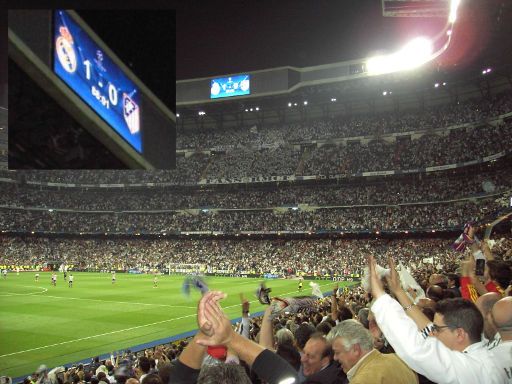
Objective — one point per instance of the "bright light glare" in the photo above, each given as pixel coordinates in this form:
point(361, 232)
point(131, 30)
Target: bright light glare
point(414, 54)
point(453, 10)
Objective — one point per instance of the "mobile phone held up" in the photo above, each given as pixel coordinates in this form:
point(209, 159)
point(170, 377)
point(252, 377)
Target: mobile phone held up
point(480, 266)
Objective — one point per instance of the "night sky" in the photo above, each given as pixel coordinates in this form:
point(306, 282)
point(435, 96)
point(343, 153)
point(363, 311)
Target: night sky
point(209, 38)
point(214, 41)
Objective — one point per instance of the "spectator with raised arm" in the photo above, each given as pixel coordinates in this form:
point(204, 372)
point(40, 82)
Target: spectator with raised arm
point(457, 328)
point(217, 327)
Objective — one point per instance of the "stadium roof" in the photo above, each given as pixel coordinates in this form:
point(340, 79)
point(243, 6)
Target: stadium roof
point(238, 38)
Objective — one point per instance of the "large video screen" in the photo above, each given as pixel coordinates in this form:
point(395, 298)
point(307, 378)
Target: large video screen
point(89, 72)
point(230, 86)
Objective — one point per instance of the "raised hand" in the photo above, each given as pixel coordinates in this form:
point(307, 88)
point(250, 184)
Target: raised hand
point(393, 279)
point(376, 284)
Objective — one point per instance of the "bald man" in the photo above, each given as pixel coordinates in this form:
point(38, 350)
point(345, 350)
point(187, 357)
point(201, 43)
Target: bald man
point(501, 315)
point(438, 279)
point(484, 304)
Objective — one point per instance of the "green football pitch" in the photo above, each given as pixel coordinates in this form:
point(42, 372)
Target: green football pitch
point(58, 325)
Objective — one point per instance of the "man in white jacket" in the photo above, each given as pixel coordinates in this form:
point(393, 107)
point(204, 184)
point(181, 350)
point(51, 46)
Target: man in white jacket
point(455, 355)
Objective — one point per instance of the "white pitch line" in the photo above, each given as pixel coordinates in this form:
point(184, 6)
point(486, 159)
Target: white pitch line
point(26, 294)
point(119, 302)
point(123, 330)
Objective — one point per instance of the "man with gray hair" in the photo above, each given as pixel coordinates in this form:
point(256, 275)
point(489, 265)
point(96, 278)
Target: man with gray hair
point(353, 348)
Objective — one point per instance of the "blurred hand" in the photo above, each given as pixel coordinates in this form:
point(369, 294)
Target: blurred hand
point(471, 232)
point(376, 285)
point(245, 305)
point(335, 290)
point(393, 279)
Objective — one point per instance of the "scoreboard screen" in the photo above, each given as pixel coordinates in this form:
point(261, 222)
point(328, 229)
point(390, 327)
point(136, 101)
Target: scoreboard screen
point(230, 86)
point(92, 75)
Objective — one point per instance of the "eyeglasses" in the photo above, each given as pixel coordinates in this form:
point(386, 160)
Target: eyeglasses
point(439, 328)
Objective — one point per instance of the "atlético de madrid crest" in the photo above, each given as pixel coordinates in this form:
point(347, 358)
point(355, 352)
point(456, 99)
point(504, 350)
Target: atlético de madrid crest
point(131, 114)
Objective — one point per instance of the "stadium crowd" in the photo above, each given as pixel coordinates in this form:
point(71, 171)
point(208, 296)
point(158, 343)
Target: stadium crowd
point(410, 190)
point(371, 218)
point(365, 334)
point(432, 118)
point(459, 145)
point(274, 151)
point(285, 257)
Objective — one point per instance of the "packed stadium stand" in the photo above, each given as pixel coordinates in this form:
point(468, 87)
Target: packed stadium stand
point(318, 184)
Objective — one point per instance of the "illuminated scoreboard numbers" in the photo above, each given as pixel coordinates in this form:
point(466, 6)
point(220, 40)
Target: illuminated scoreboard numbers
point(112, 90)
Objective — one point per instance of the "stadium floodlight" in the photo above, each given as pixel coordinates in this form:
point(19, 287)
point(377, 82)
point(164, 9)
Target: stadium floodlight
point(246, 110)
point(415, 53)
point(201, 113)
point(384, 93)
point(454, 4)
point(306, 102)
point(436, 85)
point(257, 108)
point(289, 104)
point(251, 109)
point(333, 100)
point(177, 115)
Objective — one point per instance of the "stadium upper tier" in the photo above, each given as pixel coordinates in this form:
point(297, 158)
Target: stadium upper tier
point(468, 111)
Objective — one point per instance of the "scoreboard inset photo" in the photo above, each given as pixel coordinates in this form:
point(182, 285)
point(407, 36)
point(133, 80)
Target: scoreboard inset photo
point(109, 108)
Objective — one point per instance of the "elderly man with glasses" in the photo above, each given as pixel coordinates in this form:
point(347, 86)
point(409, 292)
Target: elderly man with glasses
point(447, 351)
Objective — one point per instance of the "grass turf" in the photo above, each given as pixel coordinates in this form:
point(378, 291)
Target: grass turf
point(40, 323)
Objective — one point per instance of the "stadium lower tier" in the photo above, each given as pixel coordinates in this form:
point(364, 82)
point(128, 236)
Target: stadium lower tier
point(320, 257)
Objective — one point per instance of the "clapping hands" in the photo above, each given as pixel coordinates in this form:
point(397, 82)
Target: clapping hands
point(212, 321)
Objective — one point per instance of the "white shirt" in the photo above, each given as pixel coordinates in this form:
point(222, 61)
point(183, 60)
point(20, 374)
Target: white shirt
point(430, 357)
point(503, 357)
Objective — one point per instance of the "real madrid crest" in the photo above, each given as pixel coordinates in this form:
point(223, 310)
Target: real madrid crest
point(65, 51)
